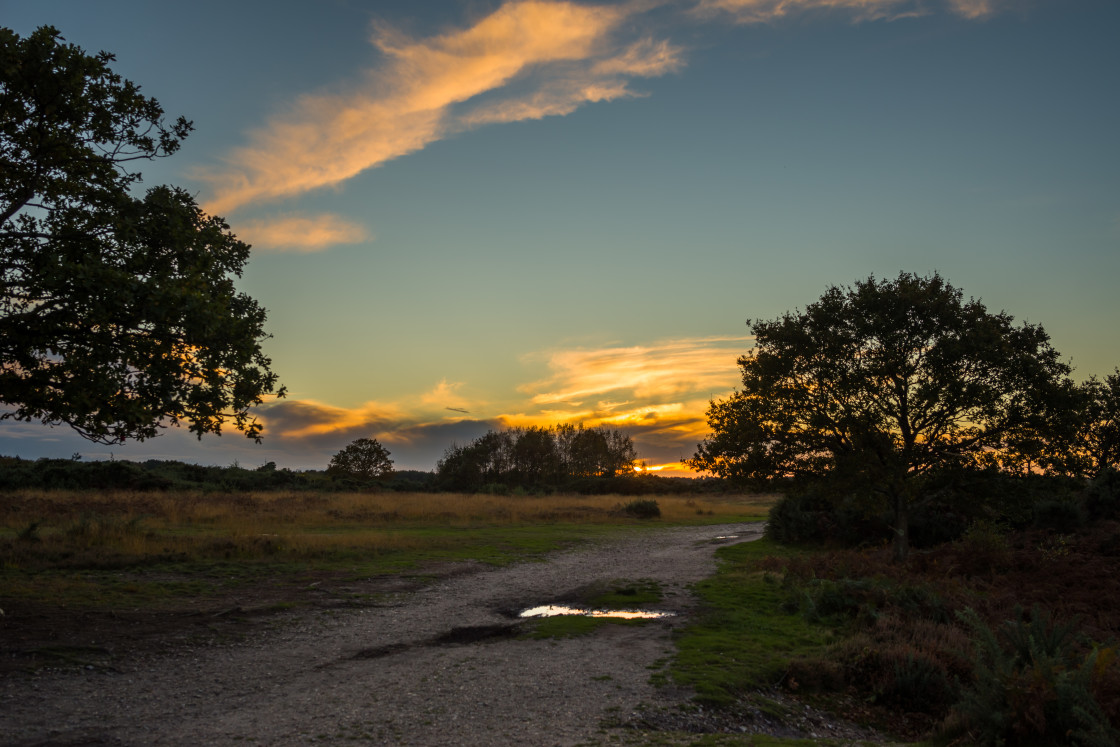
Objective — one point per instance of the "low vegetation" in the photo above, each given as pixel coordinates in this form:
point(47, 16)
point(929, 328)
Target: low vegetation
point(1000, 637)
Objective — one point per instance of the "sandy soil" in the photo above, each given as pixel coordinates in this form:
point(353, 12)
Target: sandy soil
point(440, 665)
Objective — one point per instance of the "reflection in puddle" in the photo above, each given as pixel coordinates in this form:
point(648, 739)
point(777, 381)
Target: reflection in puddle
point(552, 610)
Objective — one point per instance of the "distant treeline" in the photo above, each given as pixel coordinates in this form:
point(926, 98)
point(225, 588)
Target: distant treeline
point(162, 475)
point(538, 458)
point(156, 474)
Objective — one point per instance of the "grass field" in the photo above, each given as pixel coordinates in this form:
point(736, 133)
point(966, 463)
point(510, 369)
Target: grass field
point(107, 549)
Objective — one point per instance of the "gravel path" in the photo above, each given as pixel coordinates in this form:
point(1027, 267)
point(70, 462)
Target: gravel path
point(440, 666)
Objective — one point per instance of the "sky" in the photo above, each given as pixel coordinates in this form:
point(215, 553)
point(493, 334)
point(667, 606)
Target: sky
point(483, 214)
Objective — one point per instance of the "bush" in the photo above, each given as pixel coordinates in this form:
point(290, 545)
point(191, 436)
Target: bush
point(936, 524)
point(1059, 516)
point(642, 509)
point(800, 517)
point(984, 547)
point(813, 516)
point(1102, 497)
point(916, 685)
point(835, 601)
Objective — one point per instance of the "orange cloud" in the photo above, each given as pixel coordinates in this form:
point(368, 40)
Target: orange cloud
point(301, 419)
point(764, 11)
point(562, 54)
point(445, 395)
point(666, 369)
point(657, 393)
point(301, 233)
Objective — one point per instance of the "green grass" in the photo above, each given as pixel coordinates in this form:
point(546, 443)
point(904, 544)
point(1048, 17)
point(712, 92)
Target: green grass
point(115, 549)
point(627, 595)
point(743, 639)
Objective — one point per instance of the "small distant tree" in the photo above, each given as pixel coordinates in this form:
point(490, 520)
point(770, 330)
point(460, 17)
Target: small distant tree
point(874, 388)
point(364, 459)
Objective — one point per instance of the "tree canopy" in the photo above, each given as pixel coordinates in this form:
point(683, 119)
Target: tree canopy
point(364, 459)
point(119, 314)
point(877, 386)
point(1093, 446)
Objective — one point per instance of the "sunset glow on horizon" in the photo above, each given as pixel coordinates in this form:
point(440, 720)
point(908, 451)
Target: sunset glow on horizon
point(531, 213)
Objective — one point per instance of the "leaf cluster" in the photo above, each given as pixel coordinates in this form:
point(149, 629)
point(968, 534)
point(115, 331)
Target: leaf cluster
point(119, 314)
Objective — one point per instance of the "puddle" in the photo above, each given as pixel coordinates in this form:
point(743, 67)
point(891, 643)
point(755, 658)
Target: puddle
point(553, 610)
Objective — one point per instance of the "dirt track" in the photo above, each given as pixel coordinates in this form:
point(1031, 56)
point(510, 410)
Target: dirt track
point(437, 666)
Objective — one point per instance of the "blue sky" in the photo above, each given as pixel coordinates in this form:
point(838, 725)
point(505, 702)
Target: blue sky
point(545, 212)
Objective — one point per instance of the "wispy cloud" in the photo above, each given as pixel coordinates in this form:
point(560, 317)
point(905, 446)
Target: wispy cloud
point(301, 233)
point(765, 11)
point(975, 8)
point(560, 55)
point(446, 395)
point(308, 419)
point(664, 369)
point(658, 393)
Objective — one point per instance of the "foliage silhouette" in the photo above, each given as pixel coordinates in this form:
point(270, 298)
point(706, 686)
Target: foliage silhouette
point(874, 389)
point(119, 314)
point(537, 459)
point(364, 459)
point(1092, 446)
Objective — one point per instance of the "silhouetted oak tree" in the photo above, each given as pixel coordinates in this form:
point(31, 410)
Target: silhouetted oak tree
point(119, 314)
point(875, 386)
point(364, 459)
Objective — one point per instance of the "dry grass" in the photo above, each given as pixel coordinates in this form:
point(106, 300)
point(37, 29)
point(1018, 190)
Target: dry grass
point(76, 528)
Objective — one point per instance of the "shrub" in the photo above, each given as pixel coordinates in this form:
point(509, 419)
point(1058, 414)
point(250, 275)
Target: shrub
point(1102, 497)
point(984, 547)
point(801, 517)
point(642, 509)
point(935, 524)
point(1059, 515)
point(824, 600)
point(916, 685)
